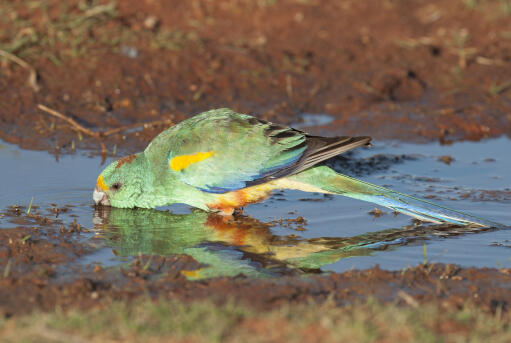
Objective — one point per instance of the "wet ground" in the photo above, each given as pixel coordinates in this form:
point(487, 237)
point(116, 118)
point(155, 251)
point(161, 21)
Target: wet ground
point(404, 72)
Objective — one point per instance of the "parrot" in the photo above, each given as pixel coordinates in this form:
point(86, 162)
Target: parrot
point(221, 161)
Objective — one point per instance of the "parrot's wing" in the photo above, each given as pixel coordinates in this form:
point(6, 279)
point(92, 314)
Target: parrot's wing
point(220, 151)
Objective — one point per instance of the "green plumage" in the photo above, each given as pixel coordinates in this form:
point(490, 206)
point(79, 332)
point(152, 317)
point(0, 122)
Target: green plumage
point(243, 149)
point(204, 160)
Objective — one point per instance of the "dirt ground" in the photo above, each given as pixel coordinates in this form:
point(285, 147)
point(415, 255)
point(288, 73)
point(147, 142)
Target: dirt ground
point(408, 70)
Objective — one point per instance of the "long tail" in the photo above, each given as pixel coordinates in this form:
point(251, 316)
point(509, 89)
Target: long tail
point(330, 181)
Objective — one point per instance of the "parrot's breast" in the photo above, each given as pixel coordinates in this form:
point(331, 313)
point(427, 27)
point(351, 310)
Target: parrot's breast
point(227, 202)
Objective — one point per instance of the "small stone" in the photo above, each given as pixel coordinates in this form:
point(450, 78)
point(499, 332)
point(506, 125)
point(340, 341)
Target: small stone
point(446, 159)
point(376, 212)
point(151, 22)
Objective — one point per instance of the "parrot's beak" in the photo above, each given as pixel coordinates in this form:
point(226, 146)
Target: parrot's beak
point(100, 197)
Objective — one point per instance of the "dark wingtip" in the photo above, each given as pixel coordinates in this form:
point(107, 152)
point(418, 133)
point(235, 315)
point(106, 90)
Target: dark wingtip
point(366, 138)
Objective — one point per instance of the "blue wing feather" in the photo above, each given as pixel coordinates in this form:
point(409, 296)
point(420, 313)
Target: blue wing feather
point(227, 185)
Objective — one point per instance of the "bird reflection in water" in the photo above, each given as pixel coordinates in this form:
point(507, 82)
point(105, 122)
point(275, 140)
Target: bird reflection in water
point(230, 246)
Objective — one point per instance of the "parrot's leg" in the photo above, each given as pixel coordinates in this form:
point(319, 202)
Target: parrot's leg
point(326, 180)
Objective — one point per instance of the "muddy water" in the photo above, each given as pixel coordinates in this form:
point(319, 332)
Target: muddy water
point(333, 233)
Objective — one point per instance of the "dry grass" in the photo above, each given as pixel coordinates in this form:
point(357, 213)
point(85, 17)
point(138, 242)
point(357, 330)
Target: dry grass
point(206, 322)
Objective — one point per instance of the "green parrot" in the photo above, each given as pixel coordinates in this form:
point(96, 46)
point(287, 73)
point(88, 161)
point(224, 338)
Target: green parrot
point(220, 160)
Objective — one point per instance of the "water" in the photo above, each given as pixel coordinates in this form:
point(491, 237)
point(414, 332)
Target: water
point(309, 120)
point(261, 244)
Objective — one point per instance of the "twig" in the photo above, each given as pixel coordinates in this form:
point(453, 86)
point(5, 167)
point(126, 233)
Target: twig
point(32, 78)
point(69, 120)
point(44, 332)
point(408, 299)
point(7, 268)
point(135, 126)
point(99, 135)
point(497, 89)
point(100, 9)
point(76, 126)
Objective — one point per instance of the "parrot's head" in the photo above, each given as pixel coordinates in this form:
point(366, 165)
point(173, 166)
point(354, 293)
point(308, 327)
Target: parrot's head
point(122, 183)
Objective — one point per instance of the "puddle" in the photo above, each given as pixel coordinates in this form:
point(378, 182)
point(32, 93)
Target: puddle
point(271, 239)
point(307, 120)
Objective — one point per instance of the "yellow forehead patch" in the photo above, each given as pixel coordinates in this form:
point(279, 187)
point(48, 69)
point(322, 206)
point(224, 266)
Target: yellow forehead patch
point(181, 162)
point(101, 184)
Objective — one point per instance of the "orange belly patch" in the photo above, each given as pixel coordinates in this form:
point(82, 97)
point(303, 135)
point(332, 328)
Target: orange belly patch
point(227, 202)
point(227, 230)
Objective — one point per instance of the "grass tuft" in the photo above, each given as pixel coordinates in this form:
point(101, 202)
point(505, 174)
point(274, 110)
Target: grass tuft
point(205, 321)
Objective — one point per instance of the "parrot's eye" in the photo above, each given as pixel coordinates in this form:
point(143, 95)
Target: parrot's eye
point(116, 186)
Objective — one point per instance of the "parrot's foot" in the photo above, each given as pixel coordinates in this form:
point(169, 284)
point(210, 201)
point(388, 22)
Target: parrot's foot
point(226, 211)
point(238, 211)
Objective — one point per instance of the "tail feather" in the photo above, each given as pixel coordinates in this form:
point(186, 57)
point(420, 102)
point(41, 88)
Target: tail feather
point(333, 182)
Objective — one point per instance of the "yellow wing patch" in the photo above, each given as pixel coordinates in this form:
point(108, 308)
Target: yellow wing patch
point(181, 162)
point(192, 274)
